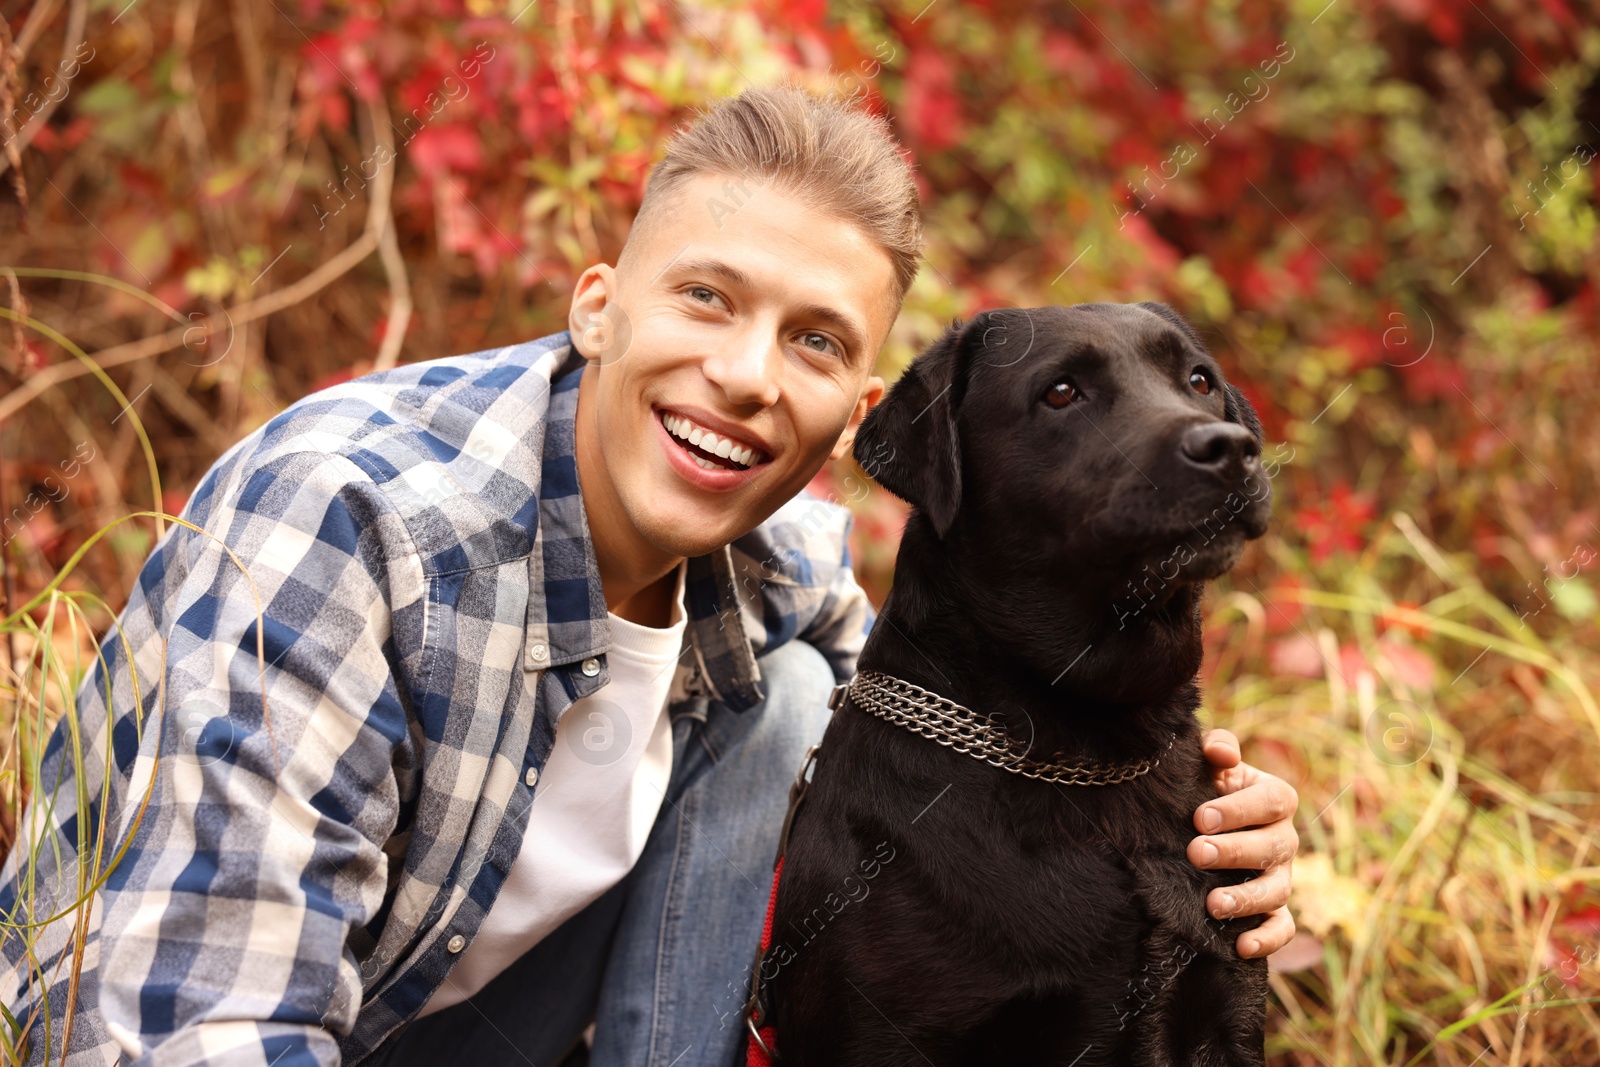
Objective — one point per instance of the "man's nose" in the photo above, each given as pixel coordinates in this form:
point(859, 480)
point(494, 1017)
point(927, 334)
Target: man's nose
point(746, 368)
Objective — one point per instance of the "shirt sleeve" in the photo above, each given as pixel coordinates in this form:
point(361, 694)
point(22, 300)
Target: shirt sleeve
point(839, 628)
point(225, 924)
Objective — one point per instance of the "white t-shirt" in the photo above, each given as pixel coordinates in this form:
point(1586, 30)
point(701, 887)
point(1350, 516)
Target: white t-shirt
point(595, 802)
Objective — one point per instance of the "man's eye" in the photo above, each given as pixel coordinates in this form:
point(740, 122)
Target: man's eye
point(818, 342)
point(705, 296)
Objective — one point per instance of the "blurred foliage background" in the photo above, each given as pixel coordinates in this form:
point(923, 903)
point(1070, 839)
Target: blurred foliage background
point(1380, 214)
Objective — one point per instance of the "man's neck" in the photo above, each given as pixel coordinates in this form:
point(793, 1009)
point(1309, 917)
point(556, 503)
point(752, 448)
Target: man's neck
point(650, 606)
point(637, 577)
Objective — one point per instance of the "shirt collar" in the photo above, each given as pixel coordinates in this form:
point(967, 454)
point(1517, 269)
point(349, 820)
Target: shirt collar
point(566, 619)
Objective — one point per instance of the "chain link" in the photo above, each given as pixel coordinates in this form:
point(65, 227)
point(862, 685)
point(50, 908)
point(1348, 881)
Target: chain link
point(979, 736)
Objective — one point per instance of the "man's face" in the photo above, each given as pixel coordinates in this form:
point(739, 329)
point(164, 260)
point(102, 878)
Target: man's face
point(731, 355)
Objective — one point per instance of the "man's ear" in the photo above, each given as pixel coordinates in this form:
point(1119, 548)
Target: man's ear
point(909, 443)
point(595, 320)
point(1235, 408)
point(871, 393)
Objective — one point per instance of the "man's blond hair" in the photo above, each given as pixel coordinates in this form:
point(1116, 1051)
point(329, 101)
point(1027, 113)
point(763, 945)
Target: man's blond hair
point(827, 152)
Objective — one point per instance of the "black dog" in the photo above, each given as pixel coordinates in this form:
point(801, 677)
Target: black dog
point(1077, 474)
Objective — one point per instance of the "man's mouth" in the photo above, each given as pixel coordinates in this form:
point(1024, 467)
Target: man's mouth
point(709, 449)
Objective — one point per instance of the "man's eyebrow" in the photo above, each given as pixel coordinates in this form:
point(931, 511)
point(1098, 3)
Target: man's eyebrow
point(712, 266)
point(855, 340)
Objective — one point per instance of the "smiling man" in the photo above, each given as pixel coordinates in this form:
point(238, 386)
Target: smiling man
point(491, 736)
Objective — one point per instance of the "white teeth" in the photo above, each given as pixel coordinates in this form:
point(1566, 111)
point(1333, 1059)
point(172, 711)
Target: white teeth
point(723, 447)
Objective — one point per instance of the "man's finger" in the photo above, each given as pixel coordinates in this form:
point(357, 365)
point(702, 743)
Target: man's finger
point(1256, 897)
point(1267, 799)
point(1253, 850)
point(1274, 932)
point(1221, 749)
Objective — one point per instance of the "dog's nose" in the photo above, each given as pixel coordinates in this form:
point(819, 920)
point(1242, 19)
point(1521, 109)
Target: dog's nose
point(1214, 445)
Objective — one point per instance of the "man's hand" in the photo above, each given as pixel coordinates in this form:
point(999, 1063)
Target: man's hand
point(1248, 798)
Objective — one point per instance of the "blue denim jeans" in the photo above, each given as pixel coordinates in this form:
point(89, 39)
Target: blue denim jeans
point(661, 963)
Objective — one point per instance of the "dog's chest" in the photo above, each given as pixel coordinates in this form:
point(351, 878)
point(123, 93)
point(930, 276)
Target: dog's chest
point(1106, 867)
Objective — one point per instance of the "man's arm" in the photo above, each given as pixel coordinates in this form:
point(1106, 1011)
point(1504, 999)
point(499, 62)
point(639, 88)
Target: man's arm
point(261, 848)
point(839, 627)
point(1249, 827)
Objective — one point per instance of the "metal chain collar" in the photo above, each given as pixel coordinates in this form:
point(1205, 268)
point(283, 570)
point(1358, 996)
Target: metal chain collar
point(979, 736)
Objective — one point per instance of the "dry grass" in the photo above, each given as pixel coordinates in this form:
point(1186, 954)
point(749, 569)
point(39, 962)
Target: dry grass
point(1440, 874)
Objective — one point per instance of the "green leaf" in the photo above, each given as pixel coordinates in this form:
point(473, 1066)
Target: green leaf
point(1574, 599)
point(216, 279)
point(135, 541)
point(151, 249)
point(107, 97)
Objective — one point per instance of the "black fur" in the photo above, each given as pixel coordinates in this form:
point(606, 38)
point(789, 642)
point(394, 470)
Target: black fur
point(935, 909)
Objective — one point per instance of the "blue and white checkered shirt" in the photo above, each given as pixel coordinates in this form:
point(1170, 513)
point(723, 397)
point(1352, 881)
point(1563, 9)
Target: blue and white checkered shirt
point(308, 838)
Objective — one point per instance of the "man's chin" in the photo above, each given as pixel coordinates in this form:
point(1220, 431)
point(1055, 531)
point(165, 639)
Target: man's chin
point(683, 521)
point(689, 532)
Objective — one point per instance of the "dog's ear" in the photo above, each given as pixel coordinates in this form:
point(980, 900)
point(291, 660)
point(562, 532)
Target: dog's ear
point(909, 443)
point(1235, 408)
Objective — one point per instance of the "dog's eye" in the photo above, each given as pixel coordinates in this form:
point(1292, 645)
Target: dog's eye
point(1061, 394)
point(1200, 381)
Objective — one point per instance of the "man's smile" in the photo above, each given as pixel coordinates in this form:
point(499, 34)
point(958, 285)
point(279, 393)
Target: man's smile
point(709, 448)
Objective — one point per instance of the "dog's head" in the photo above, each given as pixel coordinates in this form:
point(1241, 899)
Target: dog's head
point(1089, 466)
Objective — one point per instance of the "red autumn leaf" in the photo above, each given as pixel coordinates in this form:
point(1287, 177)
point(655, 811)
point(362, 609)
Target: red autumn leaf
point(1296, 655)
point(1260, 287)
point(1304, 266)
point(1432, 378)
point(438, 149)
point(1352, 661)
point(1283, 610)
point(1388, 203)
point(1410, 664)
point(1392, 621)
point(1364, 346)
point(1584, 921)
point(1337, 525)
point(1445, 25)
point(1159, 256)
point(931, 110)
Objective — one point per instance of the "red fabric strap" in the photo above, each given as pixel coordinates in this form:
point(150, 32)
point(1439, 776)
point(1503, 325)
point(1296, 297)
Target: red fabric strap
point(756, 1056)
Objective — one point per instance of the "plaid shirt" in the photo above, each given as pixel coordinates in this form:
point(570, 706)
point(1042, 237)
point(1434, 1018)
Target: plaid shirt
point(324, 828)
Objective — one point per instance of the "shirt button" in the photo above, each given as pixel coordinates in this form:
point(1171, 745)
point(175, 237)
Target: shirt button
point(531, 777)
point(457, 943)
point(541, 653)
point(591, 666)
